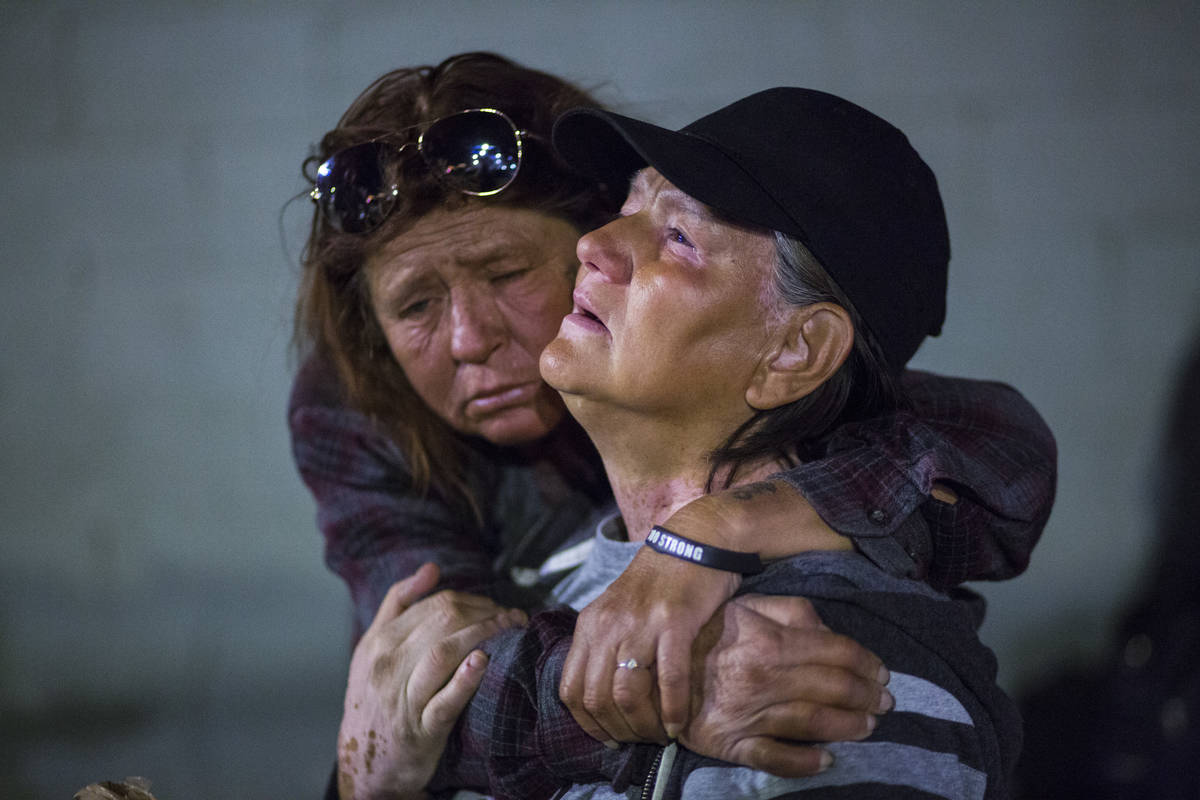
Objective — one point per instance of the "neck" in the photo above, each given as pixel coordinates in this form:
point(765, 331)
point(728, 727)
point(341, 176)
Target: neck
point(655, 466)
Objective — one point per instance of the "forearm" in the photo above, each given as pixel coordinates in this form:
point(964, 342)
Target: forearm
point(516, 739)
point(768, 517)
point(377, 528)
point(959, 488)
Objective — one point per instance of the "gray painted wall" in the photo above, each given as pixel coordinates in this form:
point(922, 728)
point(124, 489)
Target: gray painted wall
point(164, 610)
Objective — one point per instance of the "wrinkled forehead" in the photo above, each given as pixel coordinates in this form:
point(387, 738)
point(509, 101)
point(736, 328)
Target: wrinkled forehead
point(649, 184)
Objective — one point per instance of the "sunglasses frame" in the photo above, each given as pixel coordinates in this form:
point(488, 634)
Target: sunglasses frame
point(392, 192)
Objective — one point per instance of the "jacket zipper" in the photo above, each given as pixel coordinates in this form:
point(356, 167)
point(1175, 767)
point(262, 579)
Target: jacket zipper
point(652, 775)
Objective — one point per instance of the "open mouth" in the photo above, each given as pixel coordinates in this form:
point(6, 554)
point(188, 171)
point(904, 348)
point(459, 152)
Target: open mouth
point(583, 313)
point(588, 315)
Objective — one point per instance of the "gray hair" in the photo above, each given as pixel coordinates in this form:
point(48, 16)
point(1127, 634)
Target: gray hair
point(862, 387)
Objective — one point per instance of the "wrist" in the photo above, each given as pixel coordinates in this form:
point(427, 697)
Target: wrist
point(670, 543)
point(685, 582)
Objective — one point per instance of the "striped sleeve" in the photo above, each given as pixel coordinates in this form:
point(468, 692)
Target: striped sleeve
point(952, 734)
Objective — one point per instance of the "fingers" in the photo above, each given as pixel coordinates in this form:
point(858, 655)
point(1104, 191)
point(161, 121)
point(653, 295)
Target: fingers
point(611, 704)
point(674, 679)
point(571, 690)
point(596, 695)
point(439, 615)
point(633, 707)
point(785, 759)
point(800, 621)
point(832, 649)
point(812, 722)
point(829, 686)
point(791, 612)
point(441, 659)
point(445, 707)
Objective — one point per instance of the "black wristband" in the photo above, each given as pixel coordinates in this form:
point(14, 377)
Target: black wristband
point(681, 547)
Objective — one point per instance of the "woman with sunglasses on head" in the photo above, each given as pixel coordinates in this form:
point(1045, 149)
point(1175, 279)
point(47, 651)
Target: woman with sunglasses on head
point(440, 262)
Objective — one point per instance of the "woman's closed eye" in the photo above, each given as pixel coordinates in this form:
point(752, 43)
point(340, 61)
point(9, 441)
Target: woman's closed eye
point(510, 275)
point(414, 308)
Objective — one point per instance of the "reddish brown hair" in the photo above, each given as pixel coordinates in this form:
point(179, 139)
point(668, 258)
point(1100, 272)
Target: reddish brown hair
point(334, 318)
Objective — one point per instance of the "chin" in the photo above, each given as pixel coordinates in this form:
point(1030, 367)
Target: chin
point(558, 365)
point(522, 425)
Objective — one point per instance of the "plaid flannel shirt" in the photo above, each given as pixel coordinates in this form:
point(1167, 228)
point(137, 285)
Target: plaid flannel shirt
point(871, 484)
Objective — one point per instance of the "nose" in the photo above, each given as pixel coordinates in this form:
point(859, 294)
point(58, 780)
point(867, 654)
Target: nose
point(477, 328)
point(608, 250)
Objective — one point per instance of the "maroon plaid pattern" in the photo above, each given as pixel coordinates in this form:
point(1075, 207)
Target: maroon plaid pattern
point(872, 484)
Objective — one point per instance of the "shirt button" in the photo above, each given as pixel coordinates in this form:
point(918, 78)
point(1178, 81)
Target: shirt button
point(878, 516)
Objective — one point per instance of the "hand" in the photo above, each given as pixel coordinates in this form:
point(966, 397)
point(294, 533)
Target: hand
point(411, 675)
point(770, 675)
point(651, 613)
point(654, 610)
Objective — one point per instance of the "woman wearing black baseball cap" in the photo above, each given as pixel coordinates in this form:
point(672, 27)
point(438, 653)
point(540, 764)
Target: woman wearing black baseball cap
point(423, 436)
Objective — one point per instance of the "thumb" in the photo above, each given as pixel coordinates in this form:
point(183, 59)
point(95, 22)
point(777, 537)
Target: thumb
point(791, 612)
point(404, 593)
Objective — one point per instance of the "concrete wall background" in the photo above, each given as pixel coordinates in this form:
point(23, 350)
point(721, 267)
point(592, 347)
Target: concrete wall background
point(163, 608)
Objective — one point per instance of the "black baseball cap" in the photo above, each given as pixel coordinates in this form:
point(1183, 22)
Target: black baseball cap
point(812, 165)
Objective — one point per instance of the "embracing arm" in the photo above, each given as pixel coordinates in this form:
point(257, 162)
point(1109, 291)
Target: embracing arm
point(956, 489)
point(981, 439)
point(515, 740)
point(787, 679)
point(377, 530)
point(959, 488)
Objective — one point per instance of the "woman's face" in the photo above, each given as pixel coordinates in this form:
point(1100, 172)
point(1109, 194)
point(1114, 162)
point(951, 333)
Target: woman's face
point(672, 309)
point(467, 300)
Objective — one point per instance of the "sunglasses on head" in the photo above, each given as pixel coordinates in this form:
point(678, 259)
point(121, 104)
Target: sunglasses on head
point(476, 152)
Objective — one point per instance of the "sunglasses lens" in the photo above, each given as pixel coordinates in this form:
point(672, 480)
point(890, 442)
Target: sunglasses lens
point(476, 152)
point(353, 189)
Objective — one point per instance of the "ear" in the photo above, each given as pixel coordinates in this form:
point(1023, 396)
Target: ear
point(812, 343)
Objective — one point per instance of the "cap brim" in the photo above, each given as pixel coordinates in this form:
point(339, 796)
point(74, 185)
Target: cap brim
point(611, 148)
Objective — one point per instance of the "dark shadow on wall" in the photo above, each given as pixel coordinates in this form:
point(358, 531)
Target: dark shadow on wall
point(1129, 727)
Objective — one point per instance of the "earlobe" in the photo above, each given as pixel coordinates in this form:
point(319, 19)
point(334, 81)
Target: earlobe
point(811, 346)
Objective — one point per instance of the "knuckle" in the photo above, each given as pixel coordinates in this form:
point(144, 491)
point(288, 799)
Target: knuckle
point(823, 723)
point(845, 686)
point(672, 676)
point(439, 718)
point(443, 656)
point(444, 605)
point(802, 612)
point(843, 650)
point(803, 715)
point(626, 698)
point(593, 702)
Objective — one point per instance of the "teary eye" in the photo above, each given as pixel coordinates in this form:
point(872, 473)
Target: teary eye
point(677, 236)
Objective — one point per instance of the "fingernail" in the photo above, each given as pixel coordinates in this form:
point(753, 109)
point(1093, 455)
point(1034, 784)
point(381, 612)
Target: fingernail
point(826, 761)
point(611, 745)
point(871, 723)
point(884, 676)
point(672, 729)
point(477, 660)
point(886, 702)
